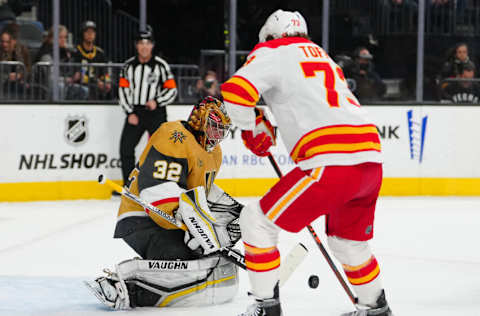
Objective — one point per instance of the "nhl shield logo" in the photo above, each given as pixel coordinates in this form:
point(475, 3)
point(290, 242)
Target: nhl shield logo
point(76, 130)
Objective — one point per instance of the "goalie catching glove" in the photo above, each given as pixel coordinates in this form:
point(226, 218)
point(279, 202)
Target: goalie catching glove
point(262, 137)
point(211, 225)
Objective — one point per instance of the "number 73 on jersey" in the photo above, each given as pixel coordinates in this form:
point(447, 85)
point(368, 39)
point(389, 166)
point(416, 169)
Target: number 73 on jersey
point(310, 70)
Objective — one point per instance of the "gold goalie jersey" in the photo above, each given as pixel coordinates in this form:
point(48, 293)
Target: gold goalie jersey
point(173, 161)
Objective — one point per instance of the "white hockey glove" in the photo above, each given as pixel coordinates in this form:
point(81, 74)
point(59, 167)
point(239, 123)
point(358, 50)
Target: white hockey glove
point(201, 223)
point(226, 210)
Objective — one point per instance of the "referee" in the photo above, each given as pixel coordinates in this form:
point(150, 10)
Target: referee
point(146, 86)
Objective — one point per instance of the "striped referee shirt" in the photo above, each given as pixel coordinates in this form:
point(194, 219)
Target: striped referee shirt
point(140, 83)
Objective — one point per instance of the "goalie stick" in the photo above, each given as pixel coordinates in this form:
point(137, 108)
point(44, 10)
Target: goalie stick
point(319, 243)
point(292, 261)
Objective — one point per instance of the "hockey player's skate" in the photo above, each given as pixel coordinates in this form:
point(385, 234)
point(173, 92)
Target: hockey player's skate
point(267, 307)
point(382, 309)
point(110, 290)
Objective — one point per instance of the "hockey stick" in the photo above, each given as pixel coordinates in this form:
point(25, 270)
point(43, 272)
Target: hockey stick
point(319, 243)
point(227, 253)
point(293, 259)
point(125, 192)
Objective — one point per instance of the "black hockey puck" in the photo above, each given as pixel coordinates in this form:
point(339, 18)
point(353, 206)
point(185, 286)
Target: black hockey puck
point(313, 281)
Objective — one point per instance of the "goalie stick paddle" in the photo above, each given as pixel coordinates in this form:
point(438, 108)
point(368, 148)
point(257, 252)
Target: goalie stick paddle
point(319, 243)
point(294, 258)
point(231, 255)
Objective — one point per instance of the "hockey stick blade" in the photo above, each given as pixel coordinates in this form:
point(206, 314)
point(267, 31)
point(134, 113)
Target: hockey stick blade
point(294, 258)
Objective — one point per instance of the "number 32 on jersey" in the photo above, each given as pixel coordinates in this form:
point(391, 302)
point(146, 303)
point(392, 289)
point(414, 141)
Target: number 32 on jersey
point(167, 170)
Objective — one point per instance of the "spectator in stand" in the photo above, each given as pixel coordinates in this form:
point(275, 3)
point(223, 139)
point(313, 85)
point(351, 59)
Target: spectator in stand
point(45, 53)
point(96, 79)
point(457, 58)
point(463, 91)
point(13, 76)
point(208, 86)
point(68, 90)
point(368, 85)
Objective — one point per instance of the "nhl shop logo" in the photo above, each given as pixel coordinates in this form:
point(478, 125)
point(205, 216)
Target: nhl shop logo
point(76, 130)
point(416, 135)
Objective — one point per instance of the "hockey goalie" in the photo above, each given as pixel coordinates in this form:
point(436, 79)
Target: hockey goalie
point(175, 173)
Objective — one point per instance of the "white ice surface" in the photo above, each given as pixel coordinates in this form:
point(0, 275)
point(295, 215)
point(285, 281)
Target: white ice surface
point(428, 249)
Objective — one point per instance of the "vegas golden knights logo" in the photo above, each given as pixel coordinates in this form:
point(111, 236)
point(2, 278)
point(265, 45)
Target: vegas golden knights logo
point(76, 130)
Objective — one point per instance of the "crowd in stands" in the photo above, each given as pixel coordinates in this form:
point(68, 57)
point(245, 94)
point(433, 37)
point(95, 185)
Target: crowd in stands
point(79, 79)
point(85, 74)
point(450, 74)
point(457, 83)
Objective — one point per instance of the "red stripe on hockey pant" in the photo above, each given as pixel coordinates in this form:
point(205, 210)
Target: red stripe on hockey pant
point(281, 188)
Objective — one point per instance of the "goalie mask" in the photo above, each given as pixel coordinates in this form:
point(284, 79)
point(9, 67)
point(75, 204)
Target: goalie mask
point(281, 24)
point(210, 122)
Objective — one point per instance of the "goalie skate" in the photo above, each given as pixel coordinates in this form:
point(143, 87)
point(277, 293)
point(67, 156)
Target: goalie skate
point(111, 292)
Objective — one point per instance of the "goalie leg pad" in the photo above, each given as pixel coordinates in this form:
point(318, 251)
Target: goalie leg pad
point(360, 266)
point(206, 281)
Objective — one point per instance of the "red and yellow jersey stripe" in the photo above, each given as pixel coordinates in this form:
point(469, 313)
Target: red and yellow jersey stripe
point(336, 139)
point(364, 273)
point(238, 90)
point(261, 259)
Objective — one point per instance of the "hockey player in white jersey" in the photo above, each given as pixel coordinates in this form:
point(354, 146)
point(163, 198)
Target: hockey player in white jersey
point(338, 155)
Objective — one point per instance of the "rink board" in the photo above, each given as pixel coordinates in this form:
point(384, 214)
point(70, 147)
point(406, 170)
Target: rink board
point(55, 152)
